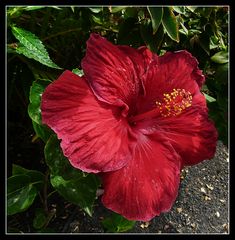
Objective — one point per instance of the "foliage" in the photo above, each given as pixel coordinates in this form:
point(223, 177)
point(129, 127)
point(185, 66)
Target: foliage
point(117, 223)
point(43, 41)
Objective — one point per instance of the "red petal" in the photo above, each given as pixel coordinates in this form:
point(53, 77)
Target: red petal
point(177, 70)
point(183, 61)
point(147, 55)
point(141, 58)
point(94, 136)
point(148, 185)
point(191, 133)
point(111, 73)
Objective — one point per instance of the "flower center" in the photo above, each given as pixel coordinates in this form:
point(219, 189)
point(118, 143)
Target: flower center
point(173, 104)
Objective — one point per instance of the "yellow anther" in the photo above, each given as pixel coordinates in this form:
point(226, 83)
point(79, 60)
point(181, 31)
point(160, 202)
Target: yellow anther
point(175, 102)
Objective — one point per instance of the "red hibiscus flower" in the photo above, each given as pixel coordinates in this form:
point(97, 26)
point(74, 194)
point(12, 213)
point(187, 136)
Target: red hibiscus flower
point(134, 117)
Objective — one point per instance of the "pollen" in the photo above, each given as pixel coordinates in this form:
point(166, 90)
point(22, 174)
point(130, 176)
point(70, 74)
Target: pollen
point(175, 102)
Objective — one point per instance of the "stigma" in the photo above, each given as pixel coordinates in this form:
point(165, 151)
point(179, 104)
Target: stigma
point(174, 103)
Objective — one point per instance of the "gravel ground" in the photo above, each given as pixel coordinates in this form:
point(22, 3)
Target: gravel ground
point(202, 205)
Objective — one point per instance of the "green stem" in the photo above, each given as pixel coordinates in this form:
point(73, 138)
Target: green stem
point(51, 193)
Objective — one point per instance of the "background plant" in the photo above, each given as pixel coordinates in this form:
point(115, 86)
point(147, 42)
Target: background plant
point(43, 41)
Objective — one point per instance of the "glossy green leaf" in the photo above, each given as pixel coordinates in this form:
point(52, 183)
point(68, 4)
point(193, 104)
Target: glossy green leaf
point(221, 74)
point(180, 10)
point(74, 185)
point(35, 95)
point(32, 47)
point(32, 8)
point(40, 218)
point(40, 73)
point(97, 19)
point(209, 98)
point(96, 9)
point(78, 191)
point(42, 131)
point(130, 12)
point(117, 9)
point(220, 57)
point(156, 14)
point(184, 30)
point(117, 224)
point(191, 8)
point(21, 193)
point(221, 120)
point(170, 24)
point(79, 72)
point(36, 177)
point(42, 58)
point(57, 162)
point(153, 42)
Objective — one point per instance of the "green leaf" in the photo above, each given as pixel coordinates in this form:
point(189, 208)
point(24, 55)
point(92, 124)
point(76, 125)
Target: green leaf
point(209, 98)
point(117, 223)
point(117, 9)
point(79, 72)
point(96, 9)
point(184, 30)
point(36, 177)
point(30, 53)
point(57, 162)
point(170, 24)
point(40, 218)
point(32, 47)
point(74, 185)
point(35, 95)
point(220, 57)
point(20, 193)
point(42, 131)
point(192, 9)
point(14, 12)
point(153, 42)
point(130, 12)
point(98, 20)
point(32, 8)
point(221, 120)
point(221, 74)
point(41, 73)
point(78, 191)
point(180, 10)
point(156, 14)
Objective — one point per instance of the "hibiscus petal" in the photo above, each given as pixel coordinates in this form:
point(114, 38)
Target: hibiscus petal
point(148, 185)
point(174, 70)
point(94, 135)
point(111, 73)
point(141, 58)
point(191, 133)
point(183, 61)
